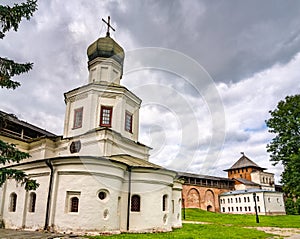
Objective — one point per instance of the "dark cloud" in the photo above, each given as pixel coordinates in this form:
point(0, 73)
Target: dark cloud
point(231, 39)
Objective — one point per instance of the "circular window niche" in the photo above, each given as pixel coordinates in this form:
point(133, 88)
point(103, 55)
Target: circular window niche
point(103, 195)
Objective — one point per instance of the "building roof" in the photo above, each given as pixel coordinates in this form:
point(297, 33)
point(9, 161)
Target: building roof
point(192, 175)
point(247, 191)
point(244, 162)
point(134, 162)
point(246, 182)
point(106, 47)
point(13, 127)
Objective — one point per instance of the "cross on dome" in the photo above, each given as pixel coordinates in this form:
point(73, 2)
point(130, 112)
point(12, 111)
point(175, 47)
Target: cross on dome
point(108, 26)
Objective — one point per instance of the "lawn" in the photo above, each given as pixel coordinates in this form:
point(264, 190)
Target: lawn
point(286, 221)
point(221, 226)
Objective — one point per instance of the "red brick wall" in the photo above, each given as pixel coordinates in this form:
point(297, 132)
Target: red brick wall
point(205, 198)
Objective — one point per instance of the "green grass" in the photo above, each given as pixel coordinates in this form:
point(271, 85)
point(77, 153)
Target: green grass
point(289, 221)
point(193, 231)
point(221, 226)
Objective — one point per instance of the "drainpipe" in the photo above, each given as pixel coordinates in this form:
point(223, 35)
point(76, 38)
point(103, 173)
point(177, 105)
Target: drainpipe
point(129, 196)
point(48, 162)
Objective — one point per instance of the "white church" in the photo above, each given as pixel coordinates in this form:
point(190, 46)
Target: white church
point(96, 177)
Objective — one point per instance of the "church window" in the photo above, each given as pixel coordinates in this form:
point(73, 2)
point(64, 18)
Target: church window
point(165, 203)
point(173, 207)
point(103, 194)
point(74, 204)
point(13, 202)
point(105, 116)
point(78, 114)
point(128, 122)
point(32, 201)
point(135, 203)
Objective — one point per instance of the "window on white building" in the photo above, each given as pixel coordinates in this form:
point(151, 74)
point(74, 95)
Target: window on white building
point(135, 203)
point(106, 116)
point(13, 202)
point(32, 201)
point(78, 114)
point(128, 122)
point(165, 202)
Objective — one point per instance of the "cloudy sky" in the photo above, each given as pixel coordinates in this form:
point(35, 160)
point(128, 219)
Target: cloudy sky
point(208, 72)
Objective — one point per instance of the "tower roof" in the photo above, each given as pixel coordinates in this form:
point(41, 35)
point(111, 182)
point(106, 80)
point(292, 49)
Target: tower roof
point(106, 47)
point(244, 162)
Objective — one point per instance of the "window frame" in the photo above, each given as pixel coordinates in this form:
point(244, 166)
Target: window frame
point(135, 203)
point(128, 118)
point(78, 123)
point(32, 202)
point(13, 197)
point(110, 109)
point(165, 203)
point(74, 205)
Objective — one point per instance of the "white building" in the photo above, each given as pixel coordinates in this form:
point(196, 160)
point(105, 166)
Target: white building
point(96, 177)
point(242, 202)
point(251, 180)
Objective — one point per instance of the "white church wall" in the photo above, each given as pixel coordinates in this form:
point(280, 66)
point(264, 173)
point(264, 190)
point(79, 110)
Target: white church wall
point(13, 218)
point(36, 220)
point(94, 213)
point(176, 205)
point(151, 187)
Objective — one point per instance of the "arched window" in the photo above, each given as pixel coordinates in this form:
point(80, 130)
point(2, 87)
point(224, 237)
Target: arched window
point(165, 202)
point(135, 203)
point(32, 200)
point(13, 202)
point(74, 204)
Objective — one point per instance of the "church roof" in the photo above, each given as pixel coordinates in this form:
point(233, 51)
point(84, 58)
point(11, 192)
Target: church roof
point(246, 182)
point(106, 47)
point(244, 162)
point(134, 162)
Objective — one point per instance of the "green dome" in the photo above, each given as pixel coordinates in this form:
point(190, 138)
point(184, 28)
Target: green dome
point(106, 47)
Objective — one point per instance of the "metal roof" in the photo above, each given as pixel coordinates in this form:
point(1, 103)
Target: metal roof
point(244, 162)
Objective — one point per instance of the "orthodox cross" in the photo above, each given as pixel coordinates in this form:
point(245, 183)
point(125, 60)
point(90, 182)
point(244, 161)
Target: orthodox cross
point(108, 26)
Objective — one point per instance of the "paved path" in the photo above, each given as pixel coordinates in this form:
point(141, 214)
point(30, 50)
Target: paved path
point(18, 234)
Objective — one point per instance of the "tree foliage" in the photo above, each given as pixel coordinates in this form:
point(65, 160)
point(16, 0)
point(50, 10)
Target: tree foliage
point(10, 17)
point(285, 146)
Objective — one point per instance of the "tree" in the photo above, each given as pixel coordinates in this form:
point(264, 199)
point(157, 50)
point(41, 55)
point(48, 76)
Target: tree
point(10, 18)
point(285, 147)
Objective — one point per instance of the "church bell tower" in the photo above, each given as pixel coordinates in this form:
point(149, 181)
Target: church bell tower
point(103, 103)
